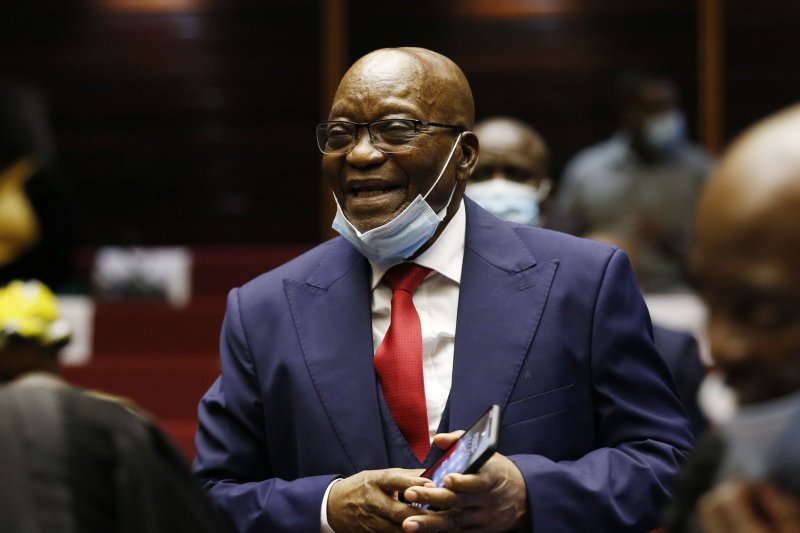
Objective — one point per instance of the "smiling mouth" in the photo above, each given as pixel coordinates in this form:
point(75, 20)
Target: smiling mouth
point(371, 190)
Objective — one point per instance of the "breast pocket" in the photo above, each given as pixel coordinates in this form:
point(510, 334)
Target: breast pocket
point(537, 406)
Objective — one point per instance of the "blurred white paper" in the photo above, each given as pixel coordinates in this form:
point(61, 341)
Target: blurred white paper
point(79, 312)
point(136, 272)
point(684, 312)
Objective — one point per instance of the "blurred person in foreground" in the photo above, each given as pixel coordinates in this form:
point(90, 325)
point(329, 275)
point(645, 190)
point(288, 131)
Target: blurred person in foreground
point(641, 184)
point(511, 178)
point(75, 461)
point(745, 477)
point(340, 381)
point(38, 216)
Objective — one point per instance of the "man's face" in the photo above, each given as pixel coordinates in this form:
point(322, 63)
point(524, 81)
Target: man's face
point(509, 157)
point(752, 290)
point(652, 99)
point(373, 187)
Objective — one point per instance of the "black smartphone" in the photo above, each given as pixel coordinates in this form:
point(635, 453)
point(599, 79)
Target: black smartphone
point(471, 451)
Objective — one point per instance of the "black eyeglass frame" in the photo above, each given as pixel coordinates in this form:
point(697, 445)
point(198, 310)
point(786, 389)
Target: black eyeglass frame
point(368, 125)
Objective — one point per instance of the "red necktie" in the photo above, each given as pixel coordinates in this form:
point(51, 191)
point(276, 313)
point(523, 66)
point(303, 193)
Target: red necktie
point(398, 360)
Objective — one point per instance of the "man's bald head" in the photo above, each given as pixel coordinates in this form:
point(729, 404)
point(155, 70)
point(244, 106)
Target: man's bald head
point(753, 198)
point(436, 82)
point(746, 257)
point(512, 144)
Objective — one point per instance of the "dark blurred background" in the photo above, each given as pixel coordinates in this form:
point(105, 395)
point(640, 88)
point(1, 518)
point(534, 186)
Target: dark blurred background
point(191, 121)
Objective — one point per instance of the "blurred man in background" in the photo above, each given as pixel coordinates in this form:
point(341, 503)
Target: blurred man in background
point(511, 179)
point(746, 476)
point(641, 184)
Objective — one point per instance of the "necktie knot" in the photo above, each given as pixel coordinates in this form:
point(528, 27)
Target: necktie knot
point(405, 277)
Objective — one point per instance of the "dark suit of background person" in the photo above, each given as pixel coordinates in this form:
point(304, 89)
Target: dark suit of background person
point(550, 327)
point(682, 355)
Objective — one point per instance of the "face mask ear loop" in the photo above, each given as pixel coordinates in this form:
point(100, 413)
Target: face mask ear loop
point(446, 164)
point(339, 208)
point(543, 190)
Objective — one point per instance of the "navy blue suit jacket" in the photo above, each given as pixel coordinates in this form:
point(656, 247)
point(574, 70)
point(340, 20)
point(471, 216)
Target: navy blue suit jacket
point(550, 327)
point(682, 355)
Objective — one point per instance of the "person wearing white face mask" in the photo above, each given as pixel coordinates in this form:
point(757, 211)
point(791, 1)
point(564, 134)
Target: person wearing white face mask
point(510, 180)
point(642, 184)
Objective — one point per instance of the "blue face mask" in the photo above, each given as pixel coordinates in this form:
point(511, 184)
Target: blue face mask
point(402, 236)
point(507, 200)
point(665, 132)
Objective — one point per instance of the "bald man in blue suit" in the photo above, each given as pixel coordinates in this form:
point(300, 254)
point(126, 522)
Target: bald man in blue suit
point(550, 327)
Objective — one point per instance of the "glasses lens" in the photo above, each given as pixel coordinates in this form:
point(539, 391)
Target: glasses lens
point(393, 135)
point(335, 137)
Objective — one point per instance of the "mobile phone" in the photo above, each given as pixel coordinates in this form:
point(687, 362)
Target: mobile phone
point(470, 452)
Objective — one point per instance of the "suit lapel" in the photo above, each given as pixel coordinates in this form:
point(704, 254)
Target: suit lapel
point(501, 299)
point(331, 313)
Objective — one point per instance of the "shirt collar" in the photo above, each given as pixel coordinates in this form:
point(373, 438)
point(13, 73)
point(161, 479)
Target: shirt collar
point(445, 255)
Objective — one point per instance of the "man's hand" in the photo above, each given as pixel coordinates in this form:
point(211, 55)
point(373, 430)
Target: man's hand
point(493, 499)
point(367, 501)
point(739, 507)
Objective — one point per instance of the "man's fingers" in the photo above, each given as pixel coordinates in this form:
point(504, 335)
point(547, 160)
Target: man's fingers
point(782, 511)
point(435, 497)
point(729, 509)
point(434, 522)
point(367, 501)
point(398, 480)
point(470, 483)
point(445, 440)
point(453, 520)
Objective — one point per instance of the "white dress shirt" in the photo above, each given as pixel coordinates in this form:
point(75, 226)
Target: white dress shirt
point(436, 301)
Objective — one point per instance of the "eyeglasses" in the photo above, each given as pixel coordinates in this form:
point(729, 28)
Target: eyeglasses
point(390, 135)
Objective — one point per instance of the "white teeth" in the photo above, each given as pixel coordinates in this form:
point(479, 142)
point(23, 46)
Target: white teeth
point(367, 193)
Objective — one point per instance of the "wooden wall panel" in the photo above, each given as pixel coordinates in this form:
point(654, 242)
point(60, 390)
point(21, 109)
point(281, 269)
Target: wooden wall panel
point(762, 60)
point(189, 121)
point(550, 63)
point(180, 121)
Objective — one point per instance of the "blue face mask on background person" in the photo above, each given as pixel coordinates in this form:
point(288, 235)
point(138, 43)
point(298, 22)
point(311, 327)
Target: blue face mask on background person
point(507, 200)
point(665, 132)
point(402, 236)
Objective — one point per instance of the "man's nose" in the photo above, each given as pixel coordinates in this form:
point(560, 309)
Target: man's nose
point(363, 151)
point(499, 173)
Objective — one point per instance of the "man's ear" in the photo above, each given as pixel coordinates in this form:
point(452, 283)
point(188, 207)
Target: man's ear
point(468, 156)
